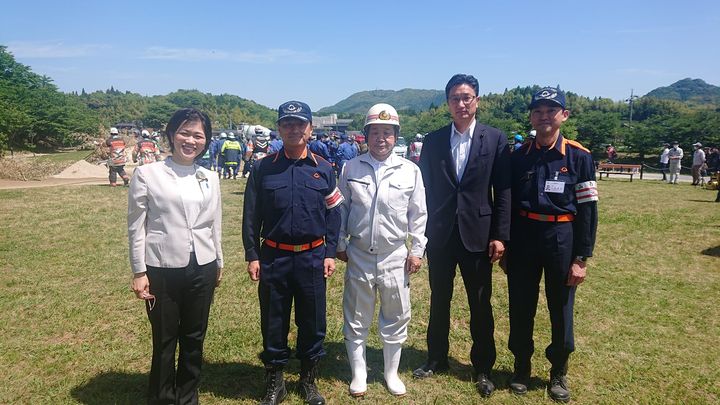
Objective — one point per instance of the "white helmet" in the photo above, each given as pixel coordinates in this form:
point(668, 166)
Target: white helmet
point(223, 135)
point(145, 133)
point(113, 131)
point(382, 114)
point(532, 134)
point(231, 135)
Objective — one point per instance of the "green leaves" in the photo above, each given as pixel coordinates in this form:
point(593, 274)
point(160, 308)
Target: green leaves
point(34, 112)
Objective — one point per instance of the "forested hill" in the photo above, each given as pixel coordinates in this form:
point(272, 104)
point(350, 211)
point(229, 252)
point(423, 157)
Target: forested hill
point(403, 100)
point(695, 91)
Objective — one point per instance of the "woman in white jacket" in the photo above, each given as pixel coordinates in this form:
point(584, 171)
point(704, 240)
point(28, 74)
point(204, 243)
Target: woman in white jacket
point(384, 205)
point(174, 232)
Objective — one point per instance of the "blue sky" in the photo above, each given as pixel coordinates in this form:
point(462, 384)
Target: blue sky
point(322, 52)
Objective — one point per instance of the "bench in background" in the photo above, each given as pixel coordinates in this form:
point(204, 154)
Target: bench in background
point(618, 168)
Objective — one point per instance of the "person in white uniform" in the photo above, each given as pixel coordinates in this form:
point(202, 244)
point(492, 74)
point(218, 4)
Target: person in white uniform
point(675, 155)
point(384, 204)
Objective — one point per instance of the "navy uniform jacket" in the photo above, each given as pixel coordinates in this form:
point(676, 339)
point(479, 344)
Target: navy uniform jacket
point(568, 162)
point(291, 201)
point(319, 148)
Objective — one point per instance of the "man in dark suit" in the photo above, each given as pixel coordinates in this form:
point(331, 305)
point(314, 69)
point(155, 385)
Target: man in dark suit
point(466, 170)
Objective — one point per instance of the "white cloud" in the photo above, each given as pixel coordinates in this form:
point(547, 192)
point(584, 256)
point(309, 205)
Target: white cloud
point(52, 49)
point(198, 55)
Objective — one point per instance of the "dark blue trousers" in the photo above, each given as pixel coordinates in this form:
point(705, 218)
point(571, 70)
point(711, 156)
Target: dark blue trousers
point(286, 277)
point(540, 247)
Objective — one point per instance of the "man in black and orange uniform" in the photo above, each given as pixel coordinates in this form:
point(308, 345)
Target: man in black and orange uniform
point(291, 223)
point(117, 158)
point(554, 198)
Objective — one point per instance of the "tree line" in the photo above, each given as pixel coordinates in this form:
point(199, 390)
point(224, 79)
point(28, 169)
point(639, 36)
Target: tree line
point(35, 114)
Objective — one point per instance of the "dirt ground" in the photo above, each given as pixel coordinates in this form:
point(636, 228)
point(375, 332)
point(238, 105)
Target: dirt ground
point(79, 173)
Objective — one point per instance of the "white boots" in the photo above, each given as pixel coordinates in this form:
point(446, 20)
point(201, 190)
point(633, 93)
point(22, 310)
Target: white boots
point(356, 357)
point(358, 367)
point(391, 356)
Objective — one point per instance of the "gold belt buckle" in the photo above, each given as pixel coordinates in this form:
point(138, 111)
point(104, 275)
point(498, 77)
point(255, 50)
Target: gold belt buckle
point(297, 248)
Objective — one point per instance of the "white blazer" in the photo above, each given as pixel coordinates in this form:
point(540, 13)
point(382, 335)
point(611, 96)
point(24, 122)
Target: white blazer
point(158, 229)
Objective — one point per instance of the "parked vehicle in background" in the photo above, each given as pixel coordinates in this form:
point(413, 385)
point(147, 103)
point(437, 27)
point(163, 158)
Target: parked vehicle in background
point(400, 148)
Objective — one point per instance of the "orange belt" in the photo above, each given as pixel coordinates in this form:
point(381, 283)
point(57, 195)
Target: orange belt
point(295, 248)
point(547, 218)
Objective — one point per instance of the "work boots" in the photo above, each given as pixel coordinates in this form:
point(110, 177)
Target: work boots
point(521, 377)
point(275, 390)
point(358, 367)
point(308, 373)
point(558, 389)
point(391, 357)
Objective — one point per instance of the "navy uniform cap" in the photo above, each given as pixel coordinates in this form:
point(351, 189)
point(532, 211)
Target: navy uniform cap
point(294, 109)
point(548, 94)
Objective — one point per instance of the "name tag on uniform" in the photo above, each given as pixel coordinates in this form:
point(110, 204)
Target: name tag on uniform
point(552, 186)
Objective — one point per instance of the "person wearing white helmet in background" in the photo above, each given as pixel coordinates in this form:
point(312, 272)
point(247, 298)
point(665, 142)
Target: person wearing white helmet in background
point(146, 150)
point(415, 148)
point(531, 135)
point(220, 161)
point(257, 149)
point(117, 158)
point(231, 152)
point(384, 205)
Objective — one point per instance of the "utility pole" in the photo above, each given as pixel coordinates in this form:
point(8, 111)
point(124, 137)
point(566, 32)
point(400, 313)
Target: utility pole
point(630, 101)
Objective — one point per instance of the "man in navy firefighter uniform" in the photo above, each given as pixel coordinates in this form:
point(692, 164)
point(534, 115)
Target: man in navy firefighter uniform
point(290, 233)
point(554, 221)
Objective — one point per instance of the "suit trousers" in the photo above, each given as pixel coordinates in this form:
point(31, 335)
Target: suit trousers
point(180, 315)
point(476, 272)
point(286, 277)
point(538, 247)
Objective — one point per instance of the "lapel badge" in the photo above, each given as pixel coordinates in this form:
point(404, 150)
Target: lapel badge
point(316, 175)
point(563, 169)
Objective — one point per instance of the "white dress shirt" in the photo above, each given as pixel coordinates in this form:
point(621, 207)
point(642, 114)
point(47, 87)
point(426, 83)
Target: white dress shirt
point(460, 147)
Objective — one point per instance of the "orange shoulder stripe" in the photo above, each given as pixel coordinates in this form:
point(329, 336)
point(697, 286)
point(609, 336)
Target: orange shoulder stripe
point(577, 145)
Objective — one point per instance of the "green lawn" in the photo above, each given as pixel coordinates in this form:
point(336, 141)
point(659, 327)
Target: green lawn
point(647, 323)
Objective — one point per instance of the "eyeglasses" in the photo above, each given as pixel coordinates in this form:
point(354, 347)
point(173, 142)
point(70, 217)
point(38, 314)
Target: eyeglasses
point(149, 301)
point(465, 99)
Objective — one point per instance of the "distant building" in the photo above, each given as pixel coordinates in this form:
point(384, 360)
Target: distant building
point(331, 122)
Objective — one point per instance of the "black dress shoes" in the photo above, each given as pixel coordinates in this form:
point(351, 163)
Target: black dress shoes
point(558, 389)
point(430, 368)
point(521, 377)
point(484, 385)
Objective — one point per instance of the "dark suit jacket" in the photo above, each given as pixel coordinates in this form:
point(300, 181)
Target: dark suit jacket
point(480, 202)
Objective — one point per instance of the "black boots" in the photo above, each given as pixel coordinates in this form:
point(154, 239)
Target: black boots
point(558, 389)
point(308, 373)
point(275, 390)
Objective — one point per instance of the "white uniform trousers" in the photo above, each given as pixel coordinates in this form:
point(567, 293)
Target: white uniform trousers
point(674, 171)
point(367, 276)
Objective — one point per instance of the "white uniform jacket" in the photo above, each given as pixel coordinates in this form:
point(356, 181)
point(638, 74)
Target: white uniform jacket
point(159, 232)
point(379, 214)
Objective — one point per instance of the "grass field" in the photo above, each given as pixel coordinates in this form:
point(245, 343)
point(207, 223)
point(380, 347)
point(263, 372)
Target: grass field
point(647, 318)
